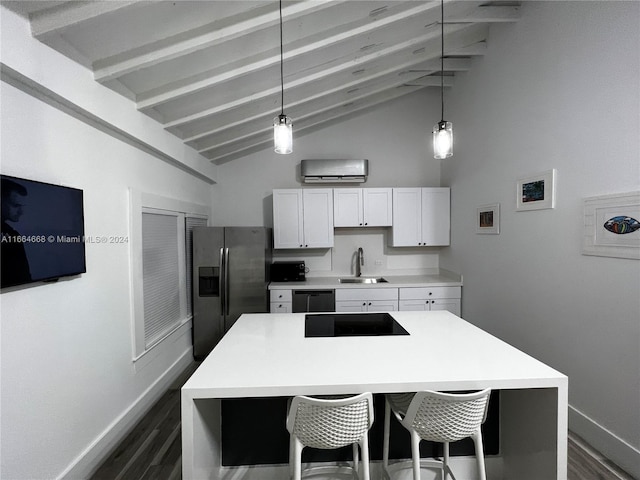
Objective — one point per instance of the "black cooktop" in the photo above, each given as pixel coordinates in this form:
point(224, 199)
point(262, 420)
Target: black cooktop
point(351, 325)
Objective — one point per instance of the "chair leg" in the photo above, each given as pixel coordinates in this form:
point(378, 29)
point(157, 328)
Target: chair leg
point(445, 460)
point(295, 458)
point(385, 440)
point(364, 446)
point(356, 458)
point(477, 439)
point(415, 454)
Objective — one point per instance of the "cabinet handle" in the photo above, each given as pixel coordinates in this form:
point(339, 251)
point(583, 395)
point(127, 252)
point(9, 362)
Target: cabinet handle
point(369, 303)
point(364, 304)
point(360, 224)
point(366, 223)
point(430, 293)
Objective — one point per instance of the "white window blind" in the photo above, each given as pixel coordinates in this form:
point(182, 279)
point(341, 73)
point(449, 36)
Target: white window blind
point(190, 223)
point(161, 283)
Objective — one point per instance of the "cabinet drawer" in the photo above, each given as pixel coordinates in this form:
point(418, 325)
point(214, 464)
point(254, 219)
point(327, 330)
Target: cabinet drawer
point(366, 294)
point(280, 307)
point(417, 293)
point(280, 295)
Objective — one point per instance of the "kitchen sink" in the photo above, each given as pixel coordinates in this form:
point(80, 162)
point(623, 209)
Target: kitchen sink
point(363, 280)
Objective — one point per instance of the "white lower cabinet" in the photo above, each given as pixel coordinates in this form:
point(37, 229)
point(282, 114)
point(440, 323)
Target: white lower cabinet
point(381, 299)
point(366, 299)
point(281, 301)
point(430, 299)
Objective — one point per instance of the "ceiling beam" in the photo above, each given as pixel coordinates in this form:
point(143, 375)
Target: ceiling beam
point(262, 120)
point(403, 74)
point(127, 62)
point(52, 21)
point(463, 35)
point(262, 138)
point(485, 14)
point(151, 100)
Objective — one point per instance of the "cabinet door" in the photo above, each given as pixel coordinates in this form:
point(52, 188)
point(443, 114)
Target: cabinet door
point(351, 306)
point(414, 305)
point(287, 218)
point(435, 216)
point(407, 214)
point(377, 207)
point(318, 217)
point(450, 304)
point(382, 305)
point(284, 307)
point(347, 207)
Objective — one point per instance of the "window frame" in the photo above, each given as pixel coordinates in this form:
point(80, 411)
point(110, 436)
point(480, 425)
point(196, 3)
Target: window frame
point(141, 202)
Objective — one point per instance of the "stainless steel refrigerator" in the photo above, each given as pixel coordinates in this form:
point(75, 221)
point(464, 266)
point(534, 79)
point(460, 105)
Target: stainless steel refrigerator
point(230, 277)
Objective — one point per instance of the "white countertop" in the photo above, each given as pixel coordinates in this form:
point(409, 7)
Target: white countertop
point(393, 281)
point(268, 355)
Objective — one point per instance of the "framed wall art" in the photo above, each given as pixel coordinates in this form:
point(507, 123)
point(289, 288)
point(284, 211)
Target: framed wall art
point(488, 219)
point(612, 225)
point(536, 192)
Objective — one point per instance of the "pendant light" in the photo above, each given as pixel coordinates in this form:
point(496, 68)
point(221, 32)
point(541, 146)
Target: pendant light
point(282, 126)
point(443, 130)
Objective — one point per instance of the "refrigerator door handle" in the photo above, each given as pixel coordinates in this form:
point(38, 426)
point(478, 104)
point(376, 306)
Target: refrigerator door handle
point(226, 281)
point(222, 281)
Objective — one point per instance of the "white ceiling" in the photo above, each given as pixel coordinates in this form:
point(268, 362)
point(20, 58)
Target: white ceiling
point(209, 70)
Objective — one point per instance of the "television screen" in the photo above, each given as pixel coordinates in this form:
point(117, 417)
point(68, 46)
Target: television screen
point(42, 231)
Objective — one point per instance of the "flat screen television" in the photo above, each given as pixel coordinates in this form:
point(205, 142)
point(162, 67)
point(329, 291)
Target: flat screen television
point(42, 231)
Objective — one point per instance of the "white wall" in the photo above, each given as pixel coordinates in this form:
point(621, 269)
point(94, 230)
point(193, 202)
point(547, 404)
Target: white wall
point(69, 385)
point(559, 89)
point(396, 139)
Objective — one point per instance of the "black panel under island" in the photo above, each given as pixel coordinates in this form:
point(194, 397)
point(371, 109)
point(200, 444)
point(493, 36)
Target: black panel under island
point(254, 433)
point(351, 325)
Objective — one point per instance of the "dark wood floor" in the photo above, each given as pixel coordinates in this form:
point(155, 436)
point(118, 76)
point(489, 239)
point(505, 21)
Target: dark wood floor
point(153, 449)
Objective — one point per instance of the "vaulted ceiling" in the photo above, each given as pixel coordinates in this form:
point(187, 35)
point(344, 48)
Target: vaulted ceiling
point(209, 70)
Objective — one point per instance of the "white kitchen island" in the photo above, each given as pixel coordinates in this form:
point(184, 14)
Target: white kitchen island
point(267, 355)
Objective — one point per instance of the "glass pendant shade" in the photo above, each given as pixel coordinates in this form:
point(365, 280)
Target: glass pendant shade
point(443, 139)
point(283, 134)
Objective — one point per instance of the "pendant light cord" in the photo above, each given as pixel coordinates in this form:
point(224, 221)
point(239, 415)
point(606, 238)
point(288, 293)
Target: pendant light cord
point(281, 66)
point(442, 58)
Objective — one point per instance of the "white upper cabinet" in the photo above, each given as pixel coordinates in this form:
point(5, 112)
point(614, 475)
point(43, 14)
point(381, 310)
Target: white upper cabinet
point(303, 218)
point(362, 207)
point(421, 217)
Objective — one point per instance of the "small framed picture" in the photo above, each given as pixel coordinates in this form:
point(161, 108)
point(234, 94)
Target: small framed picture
point(612, 226)
point(536, 192)
point(488, 219)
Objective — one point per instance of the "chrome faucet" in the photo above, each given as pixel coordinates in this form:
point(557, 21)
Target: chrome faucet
point(359, 261)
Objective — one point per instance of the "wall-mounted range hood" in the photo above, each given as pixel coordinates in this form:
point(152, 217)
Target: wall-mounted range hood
point(334, 171)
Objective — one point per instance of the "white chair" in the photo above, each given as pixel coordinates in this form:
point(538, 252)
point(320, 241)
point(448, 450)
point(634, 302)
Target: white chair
point(437, 417)
point(330, 423)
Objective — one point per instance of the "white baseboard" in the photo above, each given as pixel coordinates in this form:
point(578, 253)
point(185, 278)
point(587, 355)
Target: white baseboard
point(614, 448)
point(91, 458)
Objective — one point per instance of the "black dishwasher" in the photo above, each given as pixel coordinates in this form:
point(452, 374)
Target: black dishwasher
point(313, 301)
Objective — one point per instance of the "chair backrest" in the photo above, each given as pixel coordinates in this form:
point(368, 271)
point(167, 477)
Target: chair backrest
point(446, 417)
point(330, 423)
